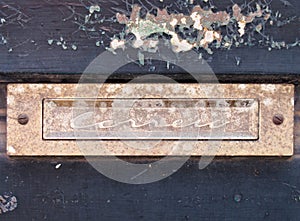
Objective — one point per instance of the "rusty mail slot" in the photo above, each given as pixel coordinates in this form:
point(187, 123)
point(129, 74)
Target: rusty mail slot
point(242, 119)
point(151, 119)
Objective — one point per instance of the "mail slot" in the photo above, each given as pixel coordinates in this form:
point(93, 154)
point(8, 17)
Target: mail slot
point(151, 119)
point(246, 120)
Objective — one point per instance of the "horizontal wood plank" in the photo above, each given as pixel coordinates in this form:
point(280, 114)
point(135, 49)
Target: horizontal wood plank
point(27, 52)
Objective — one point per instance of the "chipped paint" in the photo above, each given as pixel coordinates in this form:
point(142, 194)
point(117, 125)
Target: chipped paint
point(204, 22)
point(8, 203)
point(166, 23)
point(239, 25)
point(116, 43)
point(245, 19)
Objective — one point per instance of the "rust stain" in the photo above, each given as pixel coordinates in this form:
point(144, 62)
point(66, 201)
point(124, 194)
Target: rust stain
point(152, 119)
point(273, 140)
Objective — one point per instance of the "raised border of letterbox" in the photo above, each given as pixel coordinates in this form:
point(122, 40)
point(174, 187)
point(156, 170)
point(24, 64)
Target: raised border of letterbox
point(274, 140)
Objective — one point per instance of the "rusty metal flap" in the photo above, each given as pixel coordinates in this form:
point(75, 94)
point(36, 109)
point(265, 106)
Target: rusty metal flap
point(239, 119)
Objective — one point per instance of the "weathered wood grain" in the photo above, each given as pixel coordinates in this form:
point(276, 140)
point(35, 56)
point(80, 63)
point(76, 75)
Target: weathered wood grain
point(31, 54)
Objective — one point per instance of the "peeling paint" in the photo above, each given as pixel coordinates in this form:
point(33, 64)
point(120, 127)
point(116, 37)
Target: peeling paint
point(182, 25)
point(8, 203)
point(165, 23)
point(245, 19)
point(221, 29)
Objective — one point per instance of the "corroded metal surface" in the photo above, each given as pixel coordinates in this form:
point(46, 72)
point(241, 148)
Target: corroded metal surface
point(152, 119)
point(266, 137)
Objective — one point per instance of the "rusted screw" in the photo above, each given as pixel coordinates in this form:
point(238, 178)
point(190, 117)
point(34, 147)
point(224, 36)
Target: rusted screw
point(278, 119)
point(23, 119)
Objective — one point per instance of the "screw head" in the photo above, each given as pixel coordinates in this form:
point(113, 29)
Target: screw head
point(23, 119)
point(278, 119)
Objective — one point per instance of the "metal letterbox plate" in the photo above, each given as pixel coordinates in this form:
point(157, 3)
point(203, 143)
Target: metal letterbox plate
point(150, 119)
